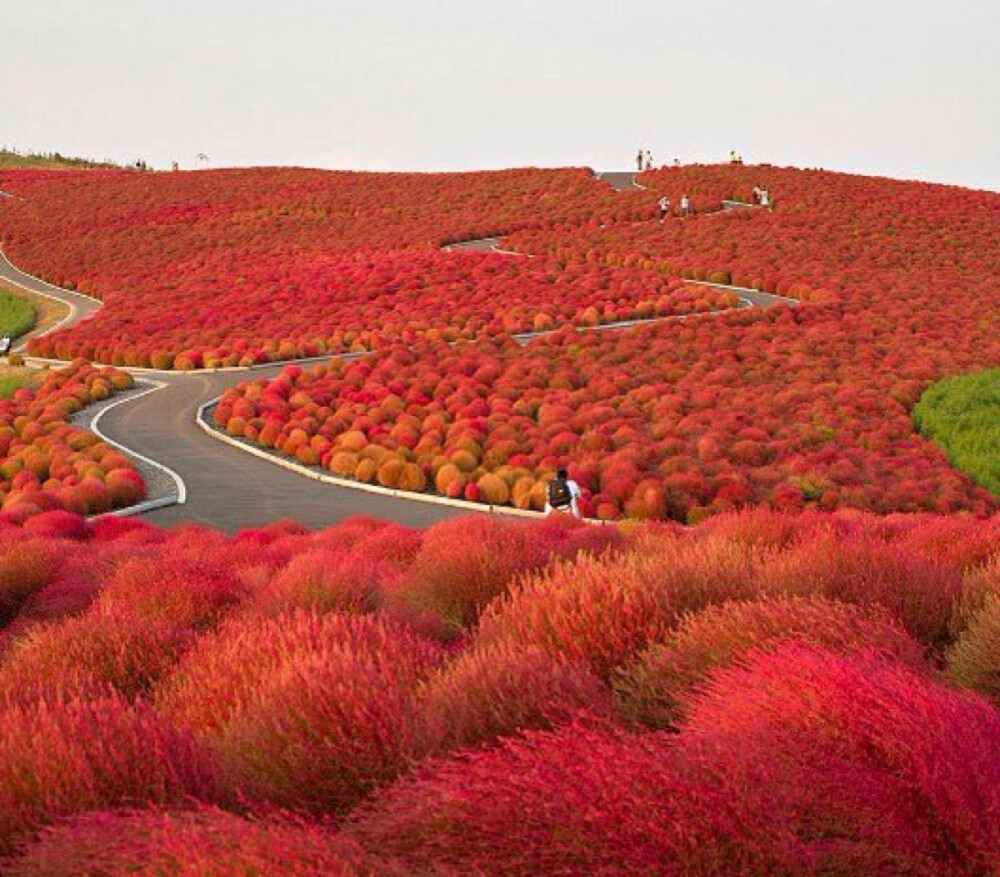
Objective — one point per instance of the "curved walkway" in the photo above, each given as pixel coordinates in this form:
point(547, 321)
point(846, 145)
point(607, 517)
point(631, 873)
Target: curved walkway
point(226, 487)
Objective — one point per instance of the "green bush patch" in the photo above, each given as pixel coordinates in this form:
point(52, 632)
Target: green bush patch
point(962, 415)
point(17, 316)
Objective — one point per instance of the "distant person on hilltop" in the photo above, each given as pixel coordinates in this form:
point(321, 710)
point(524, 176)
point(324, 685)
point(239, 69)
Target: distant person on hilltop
point(649, 160)
point(664, 205)
point(639, 159)
point(562, 494)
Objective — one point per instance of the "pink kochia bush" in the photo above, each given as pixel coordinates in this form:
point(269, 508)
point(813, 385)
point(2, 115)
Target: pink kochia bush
point(762, 693)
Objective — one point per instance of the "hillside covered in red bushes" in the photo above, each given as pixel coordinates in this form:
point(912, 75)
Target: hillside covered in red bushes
point(792, 407)
point(763, 693)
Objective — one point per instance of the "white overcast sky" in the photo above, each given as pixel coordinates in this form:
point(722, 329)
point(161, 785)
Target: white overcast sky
point(906, 89)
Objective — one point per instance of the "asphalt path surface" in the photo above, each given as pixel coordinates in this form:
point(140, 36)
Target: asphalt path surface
point(227, 488)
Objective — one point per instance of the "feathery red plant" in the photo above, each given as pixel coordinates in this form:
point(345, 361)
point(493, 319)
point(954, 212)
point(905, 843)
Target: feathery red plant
point(577, 800)
point(604, 611)
point(497, 692)
point(869, 760)
point(974, 659)
point(306, 711)
point(200, 842)
point(650, 689)
point(63, 757)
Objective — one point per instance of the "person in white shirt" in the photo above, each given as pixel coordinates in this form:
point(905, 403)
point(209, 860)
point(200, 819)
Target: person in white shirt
point(664, 205)
point(685, 205)
point(563, 494)
point(765, 198)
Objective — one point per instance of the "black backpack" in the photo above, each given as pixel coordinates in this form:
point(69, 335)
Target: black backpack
point(559, 495)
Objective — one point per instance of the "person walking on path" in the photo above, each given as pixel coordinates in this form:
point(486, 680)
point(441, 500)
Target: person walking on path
point(649, 160)
point(664, 205)
point(563, 494)
point(639, 160)
point(685, 205)
point(765, 197)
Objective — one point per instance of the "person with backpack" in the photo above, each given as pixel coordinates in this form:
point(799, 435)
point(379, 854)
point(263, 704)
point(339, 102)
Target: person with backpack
point(562, 494)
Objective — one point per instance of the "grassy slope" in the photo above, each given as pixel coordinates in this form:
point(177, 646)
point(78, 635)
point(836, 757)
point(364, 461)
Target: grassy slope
point(963, 416)
point(17, 315)
point(12, 160)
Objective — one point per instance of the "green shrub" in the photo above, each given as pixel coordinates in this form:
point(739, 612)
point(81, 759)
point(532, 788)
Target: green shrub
point(963, 417)
point(17, 315)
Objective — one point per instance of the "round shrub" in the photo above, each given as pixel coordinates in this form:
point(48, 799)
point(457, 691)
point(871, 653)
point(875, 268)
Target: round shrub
point(390, 471)
point(869, 762)
point(919, 591)
point(464, 563)
point(305, 711)
point(325, 579)
point(650, 689)
point(66, 757)
point(497, 692)
point(577, 800)
point(168, 586)
point(604, 611)
point(493, 489)
point(119, 651)
point(411, 477)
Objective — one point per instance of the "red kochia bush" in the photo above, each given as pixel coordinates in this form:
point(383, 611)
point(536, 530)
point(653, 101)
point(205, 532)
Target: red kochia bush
point(173, 588)
point(720, 635)
point(870, 762)
point(63, 757)
point(306, 711)
point(604, 611)
point(498, 691)
point(202, 842)
point(920, 591)
point(324, 580)
point(463, 564)
point(122, 651)
point(579, 800)
point(26, 566)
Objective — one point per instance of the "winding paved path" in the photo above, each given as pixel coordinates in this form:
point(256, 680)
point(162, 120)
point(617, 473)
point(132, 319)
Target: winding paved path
point(228, 488)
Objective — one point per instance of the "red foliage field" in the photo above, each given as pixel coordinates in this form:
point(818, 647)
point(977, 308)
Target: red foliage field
point(795, 407)
point(792, 408)
point(662, 700)
point(234, 267)
point(46, 463)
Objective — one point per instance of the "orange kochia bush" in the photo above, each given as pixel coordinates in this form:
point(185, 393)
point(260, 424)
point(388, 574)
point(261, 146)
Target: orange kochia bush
point(46, 464)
